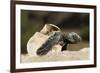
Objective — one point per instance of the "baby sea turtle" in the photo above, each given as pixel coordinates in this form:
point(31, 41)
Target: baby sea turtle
point(57, 37)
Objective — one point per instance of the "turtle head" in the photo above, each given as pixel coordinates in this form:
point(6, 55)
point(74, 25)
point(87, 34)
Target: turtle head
point(73, 38)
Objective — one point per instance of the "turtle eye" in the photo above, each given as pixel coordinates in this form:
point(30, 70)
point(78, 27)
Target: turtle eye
point(75, 37)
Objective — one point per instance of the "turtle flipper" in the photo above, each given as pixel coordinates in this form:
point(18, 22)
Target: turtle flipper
point(47, 46)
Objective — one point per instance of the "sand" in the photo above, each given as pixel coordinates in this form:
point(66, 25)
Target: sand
point(82, 54)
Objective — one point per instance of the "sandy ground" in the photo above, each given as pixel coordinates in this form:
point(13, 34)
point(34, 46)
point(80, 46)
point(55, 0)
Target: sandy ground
point(59, 56)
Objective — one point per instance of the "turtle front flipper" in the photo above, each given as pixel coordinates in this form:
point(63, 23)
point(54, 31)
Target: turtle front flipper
point(47, 46)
